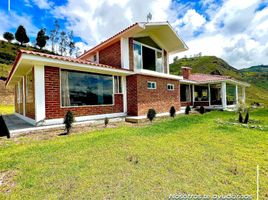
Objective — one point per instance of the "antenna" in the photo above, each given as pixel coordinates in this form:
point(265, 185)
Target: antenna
point(149, 17)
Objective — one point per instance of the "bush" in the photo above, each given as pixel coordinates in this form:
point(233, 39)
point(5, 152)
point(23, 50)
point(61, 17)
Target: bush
point(246, 118)
point(172, 111)
point(187, 110)
point(202, 110)
point(68, 121)
point(151, 114)
point(106, 121)
point(240, 117)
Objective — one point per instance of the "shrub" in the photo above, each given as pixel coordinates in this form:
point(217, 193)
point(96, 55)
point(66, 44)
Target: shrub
point(106, 121)
point(202, 110)
point(172, 111)
point(240, 117)
point(246, 118)
point(187, 110)
point(68, 121)
point(151, 114)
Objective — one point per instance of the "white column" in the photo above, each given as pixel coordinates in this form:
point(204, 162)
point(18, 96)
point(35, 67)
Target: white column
point(193, 94)
point(23, 96)
point(124, 44)
point(236, 94)
point(244, 94)
point(39, 91)
point(124, 90)
point(209, 95)
point(223, 95)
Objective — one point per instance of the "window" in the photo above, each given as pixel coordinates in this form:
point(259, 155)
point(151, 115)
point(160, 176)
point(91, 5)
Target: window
point(29, 87)
point(201, 93)
point(146, 57)
point(170, 86)
point(117, 84)
point(151, 85)
point(137, 56)
point(81, 89)
point(95, 58)
point(185, 93)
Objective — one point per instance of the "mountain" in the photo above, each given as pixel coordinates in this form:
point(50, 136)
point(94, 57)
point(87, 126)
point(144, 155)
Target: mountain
point(256, 75)
point(258, 68)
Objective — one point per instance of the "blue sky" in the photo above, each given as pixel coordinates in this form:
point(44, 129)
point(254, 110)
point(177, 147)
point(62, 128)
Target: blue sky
point(233, 30)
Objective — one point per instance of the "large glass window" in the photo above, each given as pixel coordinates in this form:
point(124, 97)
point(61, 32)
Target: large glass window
point(185, 93)
point(201, 93)
point(159, 61)
point(148, 58)
point(137, 56)
point(81, 89)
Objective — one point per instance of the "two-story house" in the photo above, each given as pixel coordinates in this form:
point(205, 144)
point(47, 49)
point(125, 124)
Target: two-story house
point(125, 75)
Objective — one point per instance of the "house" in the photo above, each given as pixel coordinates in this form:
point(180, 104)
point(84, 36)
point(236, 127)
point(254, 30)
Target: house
point(123, 76)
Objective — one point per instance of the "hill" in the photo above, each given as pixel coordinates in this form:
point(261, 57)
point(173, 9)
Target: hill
point(256, 75)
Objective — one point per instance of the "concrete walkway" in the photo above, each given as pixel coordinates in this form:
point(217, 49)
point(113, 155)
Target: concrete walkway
point(14, 123)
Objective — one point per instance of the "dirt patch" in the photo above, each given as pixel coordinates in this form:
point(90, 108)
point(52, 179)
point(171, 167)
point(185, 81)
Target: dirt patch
point(7, 181)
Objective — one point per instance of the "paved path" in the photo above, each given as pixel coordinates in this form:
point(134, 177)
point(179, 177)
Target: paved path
point(15, 123)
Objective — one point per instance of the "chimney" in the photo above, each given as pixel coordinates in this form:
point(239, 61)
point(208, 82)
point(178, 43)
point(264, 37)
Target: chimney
point(186, 72)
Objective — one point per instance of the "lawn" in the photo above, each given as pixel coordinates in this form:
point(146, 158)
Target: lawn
point(6, 109)
point(189, 154)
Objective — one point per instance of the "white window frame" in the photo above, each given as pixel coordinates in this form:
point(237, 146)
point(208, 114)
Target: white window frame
point(170, 85)
point(119, 85)
point(152, 83)
point(155, 49)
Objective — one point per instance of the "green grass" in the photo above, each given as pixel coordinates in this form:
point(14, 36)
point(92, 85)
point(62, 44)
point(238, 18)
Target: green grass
point(6, 109)
point(189, 154)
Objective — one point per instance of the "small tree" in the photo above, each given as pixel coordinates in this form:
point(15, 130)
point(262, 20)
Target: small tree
point(106, 121)
point(8, 36)
point(54, 35)
point(68, 121)
point(21, 35)
point(240, 119)
point(151, 114)
point(41, 38)
point(187, 110)
point(172, 111)
point(246, 118)
point(202, 110)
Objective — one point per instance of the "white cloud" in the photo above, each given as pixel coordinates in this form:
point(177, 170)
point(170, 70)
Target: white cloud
point(42, 4)
point(13, 20)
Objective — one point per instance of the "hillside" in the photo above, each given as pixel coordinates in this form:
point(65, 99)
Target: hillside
point(8, 53)
point(256, 76)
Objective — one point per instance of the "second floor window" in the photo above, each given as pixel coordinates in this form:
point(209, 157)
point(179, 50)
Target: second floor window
point(146, 57)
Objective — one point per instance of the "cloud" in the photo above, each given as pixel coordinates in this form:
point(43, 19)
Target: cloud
point(12, 20)
point(97, 20)
point(41, 4)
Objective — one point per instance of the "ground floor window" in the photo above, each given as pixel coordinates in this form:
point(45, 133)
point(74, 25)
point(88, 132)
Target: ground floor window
point(117, 84)
point(201, 93)
point(185, 93)
point(29, 88)
point(81, 89)
point(170, 86)
point(151, 85)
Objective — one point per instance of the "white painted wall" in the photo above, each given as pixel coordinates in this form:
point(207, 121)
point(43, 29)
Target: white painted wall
point(124, 43)
point(39, 89)
point(124, 90)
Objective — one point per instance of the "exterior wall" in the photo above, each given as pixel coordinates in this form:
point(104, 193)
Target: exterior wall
point(16, 99)
point(183, 104)
point(201, 103)
point(30, 106)
point(52, 99)
point(165, 62)
point(111, 55)
point(186, 72)
point(21, 98)
point(140, 98)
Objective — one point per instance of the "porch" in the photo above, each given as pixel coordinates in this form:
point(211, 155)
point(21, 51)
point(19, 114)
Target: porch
point(213, 96)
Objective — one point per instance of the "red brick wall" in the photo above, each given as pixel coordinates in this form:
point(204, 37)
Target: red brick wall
point(140, 98)
point(52, 96)
point(111, 55)
point(131, 56)
point(186, 72)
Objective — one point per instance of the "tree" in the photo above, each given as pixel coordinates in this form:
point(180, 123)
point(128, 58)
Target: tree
point(63, 43)
point(240, 119)
point(71, 43)
point(8, 36)
point(21, 35)
point(187, 110)
point(41, 38)
point(54, 35)
point(68, 121)
point(172, 111)
point(246, 118)
point(202, 110)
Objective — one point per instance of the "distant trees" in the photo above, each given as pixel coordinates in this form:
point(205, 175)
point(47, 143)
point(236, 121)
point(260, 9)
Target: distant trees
point(21, 35)
point(8, 36)
point(62, 42)
point(41, 38)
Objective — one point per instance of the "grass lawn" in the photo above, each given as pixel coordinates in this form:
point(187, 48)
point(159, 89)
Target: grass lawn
point(189, 154)
point(6, 109)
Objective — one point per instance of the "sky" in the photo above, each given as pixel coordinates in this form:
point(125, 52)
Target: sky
point(235, 30)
